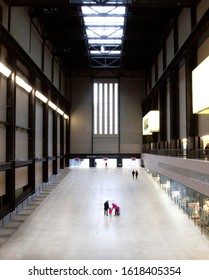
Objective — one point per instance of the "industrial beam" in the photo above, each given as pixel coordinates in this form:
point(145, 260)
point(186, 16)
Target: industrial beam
point(137, 3)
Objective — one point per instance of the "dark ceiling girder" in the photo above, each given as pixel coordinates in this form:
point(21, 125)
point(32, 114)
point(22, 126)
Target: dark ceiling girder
point(148, 22)
point(136, 3)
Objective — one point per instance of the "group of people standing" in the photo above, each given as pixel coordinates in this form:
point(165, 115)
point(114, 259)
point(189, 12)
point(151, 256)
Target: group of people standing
point(135, 174)
point(108, 210)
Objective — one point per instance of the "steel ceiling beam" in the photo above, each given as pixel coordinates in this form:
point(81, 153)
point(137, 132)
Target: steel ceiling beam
point(137, 3)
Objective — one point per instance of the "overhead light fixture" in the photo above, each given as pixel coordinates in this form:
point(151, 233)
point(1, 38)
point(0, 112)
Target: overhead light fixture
point(205, 138)
point(20, 82)
point(151, 122)
point(4, 70)
point(52, 105)
point(60, 111)
point(41, 96)
point(200, 88)
point(66, 116)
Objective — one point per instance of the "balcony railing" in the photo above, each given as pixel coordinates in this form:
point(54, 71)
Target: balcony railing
point(182, 153)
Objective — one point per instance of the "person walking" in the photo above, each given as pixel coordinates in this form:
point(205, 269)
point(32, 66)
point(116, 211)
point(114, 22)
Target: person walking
point(136, 173)
point(106, 207)
point(117, 209)
point(133, 173)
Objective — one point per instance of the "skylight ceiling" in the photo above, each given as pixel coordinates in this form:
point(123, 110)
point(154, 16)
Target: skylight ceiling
point(129, 38)
point(104, 30)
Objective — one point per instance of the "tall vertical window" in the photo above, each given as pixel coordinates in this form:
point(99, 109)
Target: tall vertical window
point(105, 98)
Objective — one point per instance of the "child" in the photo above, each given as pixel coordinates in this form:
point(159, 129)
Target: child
point(117, 209)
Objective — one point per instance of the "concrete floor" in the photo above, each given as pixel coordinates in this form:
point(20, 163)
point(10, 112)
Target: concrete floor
point(70, 224)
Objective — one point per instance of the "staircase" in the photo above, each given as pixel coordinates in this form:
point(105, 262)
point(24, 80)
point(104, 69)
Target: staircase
point(10, 224)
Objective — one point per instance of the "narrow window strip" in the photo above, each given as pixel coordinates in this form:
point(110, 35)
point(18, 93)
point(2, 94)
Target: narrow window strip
point(111, 108)
point(95, 94)
point(116, 108)
point(105, 109)
point(100, 108)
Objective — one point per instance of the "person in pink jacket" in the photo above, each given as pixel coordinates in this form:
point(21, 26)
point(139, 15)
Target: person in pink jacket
point(117, 209)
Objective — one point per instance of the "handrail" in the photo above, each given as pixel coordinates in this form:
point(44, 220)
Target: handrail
point(183, 153)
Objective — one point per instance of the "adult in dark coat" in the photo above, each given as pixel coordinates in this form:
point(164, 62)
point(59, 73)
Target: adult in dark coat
point(106, 207)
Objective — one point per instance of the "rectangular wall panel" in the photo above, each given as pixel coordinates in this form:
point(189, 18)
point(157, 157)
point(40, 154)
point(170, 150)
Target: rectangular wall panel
point(21, 145)
point(81, 116)
point(39, 130)
point(104, 144)
point(3, 101)
point(20, 31)
point(36, 47)
point(2, 183)
point(50, 169)
point(3, 143)
point(47, 64)
point(21, 177)
point(5, 14)
point(22, 100)
point(202, 8)
point(184, 26)
point(160, 64)
point(56, 75)
point(39, 174)
point(130, 95)
point(170, 48)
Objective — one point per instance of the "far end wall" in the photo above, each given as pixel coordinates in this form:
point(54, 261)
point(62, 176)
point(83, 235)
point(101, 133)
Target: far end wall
point(131, 93)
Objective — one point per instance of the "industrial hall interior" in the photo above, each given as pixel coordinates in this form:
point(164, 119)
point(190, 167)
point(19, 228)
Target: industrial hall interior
point(104, 101)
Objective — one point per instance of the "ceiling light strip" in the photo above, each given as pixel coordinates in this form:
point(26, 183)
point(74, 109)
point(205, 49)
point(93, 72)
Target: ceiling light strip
point(20, 82)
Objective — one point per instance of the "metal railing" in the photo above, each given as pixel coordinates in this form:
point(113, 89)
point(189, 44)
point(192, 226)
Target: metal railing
point(181, 153)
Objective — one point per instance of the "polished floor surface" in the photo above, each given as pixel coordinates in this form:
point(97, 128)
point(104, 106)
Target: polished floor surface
point(69, 222)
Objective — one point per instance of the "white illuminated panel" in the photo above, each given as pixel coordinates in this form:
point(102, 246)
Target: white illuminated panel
point(200, 88)
point(105, 104)
point(111, 108)
point(100, 108)
point(60, 111)
point(20, 82)
point(52, 105)
point(95, 107)
point(41, 96)
point(4, 70)
point(116, 107)
point(66, 116)
point(151, 122)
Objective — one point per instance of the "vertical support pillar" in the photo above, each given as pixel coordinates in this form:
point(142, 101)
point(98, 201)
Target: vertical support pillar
point(62, 160)
point(174, 105)
point(54, 143)
point(31, 135)
point(11, 132)
point(67, 141)
point(191, 119)
point(45, 142)
point(163, 114)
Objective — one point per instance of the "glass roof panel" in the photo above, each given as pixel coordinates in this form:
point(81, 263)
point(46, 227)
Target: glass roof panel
point(105, 41)
point(103, 10)
point(104, 21)
point(93, 32)
point(104, 28)
point(105, 52)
